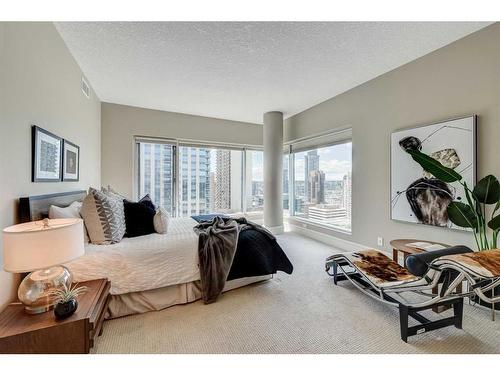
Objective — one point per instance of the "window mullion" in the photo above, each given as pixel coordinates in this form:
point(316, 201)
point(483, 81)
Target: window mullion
point(291, 184)
point(244, 182)
point(176, 188)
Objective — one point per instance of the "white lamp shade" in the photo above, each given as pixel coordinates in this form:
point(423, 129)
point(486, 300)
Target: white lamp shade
point(34, 245)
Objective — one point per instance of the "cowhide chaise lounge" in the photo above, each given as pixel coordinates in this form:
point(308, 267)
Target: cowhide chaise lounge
point(411, 290)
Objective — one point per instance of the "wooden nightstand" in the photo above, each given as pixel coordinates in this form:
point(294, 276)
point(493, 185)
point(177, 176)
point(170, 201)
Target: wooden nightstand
point(41, 333)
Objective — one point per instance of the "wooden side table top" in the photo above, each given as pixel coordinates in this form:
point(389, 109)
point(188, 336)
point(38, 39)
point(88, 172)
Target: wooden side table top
point(17, 328)
point(402, 245)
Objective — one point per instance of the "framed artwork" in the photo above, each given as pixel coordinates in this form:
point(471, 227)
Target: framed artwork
point(418, 197)
point(46, 153)
point(71, 161)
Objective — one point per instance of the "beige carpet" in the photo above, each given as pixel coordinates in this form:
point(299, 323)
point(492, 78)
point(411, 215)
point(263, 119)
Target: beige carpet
point(299, 313)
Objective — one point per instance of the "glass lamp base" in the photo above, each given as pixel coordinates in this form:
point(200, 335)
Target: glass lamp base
point(35, 290)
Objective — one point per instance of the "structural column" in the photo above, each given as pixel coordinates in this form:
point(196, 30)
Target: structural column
point(273, 171)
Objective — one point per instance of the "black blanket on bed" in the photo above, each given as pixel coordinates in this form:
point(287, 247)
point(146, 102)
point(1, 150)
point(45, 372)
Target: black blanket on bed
point(257, 252)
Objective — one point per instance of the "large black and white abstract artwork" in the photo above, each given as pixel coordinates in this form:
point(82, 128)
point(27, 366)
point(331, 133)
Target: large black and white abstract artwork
point(418, 197)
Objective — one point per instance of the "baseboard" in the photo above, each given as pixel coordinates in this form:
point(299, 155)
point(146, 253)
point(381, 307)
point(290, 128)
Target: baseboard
point(331, 240)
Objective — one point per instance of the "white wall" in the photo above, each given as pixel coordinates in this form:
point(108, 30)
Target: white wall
point(40, 85)
point(121, 123)
point(459, 79)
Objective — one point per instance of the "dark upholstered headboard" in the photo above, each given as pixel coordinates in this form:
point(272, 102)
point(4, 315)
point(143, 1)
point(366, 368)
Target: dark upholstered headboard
point(37, 207)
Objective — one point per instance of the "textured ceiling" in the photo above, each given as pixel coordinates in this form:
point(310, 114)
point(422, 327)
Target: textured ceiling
point(237, 70)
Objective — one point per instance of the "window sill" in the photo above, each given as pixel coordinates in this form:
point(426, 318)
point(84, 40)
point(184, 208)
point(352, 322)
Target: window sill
point(311, 225)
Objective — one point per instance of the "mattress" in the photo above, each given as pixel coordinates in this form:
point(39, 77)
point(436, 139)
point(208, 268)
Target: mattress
point(143, 263)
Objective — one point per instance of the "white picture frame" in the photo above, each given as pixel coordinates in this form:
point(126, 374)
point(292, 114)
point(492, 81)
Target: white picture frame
point(415, 196)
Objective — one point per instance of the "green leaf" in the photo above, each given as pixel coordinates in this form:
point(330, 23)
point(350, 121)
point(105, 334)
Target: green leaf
point(497, 206)
point(474, 203)
point(487, 190)
point(494, 223)
point(434, 167)
point(462, 215)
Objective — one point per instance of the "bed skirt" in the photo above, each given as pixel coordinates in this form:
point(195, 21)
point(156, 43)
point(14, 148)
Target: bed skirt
point(161, 298)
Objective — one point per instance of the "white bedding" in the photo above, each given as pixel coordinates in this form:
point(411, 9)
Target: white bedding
point(143, 263)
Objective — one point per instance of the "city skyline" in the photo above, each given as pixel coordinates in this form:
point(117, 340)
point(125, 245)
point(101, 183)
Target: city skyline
point(318, 199)
point(335, 161)
point(211, 180)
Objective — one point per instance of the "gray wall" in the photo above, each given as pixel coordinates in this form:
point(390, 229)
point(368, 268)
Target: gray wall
point(40, 84)
point(459, 79)
point(121, 123)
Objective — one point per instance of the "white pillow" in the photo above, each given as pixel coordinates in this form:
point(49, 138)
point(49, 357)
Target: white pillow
point(72, 211)
point(160, 221)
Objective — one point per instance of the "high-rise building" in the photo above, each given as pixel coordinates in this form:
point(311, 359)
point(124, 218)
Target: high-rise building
point(347, 194)
point(316, 187)
point(211, 190)
point(311, 164)
point(222, 183)
point(209, 180)
point(300, 188)
point(285, 183)
point(194, 176)
point(324, 212)
point(156, 176)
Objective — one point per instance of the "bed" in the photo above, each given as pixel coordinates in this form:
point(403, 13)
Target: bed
point(147, 273)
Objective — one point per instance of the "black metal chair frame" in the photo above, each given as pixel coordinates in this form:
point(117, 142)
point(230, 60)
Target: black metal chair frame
point(406, 310)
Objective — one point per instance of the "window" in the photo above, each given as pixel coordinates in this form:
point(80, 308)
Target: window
point(156, 173)
point(322, 185)
point(191, 180)
point(211, 180)
point(255, 181)
point(286, 176)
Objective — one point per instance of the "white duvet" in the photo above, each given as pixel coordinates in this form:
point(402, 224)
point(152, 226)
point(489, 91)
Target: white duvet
point(143, 263)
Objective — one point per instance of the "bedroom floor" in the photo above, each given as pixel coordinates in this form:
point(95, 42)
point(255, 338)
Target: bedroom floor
point(299, 313)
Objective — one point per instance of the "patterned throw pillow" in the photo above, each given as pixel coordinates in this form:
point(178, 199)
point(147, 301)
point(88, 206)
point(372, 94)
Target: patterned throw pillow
point(104, 218)
point(109, 189)
point(118, 211)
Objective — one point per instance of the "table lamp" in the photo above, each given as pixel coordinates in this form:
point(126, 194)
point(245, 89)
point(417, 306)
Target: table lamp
point(40, 247)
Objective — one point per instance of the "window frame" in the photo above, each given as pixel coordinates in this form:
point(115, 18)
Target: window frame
point(323, 140)
point(176, 145)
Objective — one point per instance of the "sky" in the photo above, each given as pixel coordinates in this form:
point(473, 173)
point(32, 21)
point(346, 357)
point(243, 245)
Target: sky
point(335, 161)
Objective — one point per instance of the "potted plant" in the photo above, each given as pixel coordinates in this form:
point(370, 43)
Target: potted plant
point(66, 303)
point(478, 212)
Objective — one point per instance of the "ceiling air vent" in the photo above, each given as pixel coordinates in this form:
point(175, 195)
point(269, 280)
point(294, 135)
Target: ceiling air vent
point(85, 88)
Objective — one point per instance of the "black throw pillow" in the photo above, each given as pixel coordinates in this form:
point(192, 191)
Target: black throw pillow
point(146, 200)
point(139, 217)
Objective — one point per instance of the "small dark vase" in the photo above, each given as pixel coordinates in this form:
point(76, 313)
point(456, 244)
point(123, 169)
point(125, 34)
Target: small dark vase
point(66, 309)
